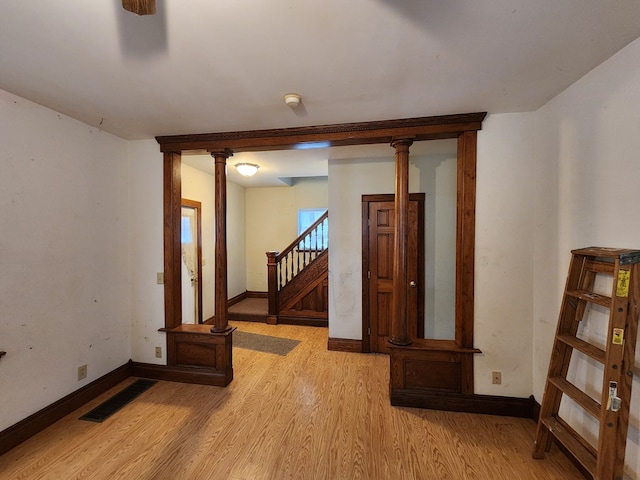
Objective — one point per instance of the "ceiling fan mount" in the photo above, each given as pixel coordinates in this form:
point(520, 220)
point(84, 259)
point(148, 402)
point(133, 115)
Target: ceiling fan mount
point(140, 7)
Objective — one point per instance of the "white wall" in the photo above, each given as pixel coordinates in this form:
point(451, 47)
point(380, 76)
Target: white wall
point(348, 181)
point(504, 263)
point(272, 222)
point(64, 276)
point(236, 240)
point(146, 255)
point(587, 193)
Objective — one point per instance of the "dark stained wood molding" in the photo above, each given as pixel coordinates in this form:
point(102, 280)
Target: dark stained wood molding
point(344, 345)
point(172, 246)
point(453, 402)
point(464, 127)
point(33, 424)
point(465, 238)
point(421, 128)
point(182, 374)
point(301, 321)
point(535, 413)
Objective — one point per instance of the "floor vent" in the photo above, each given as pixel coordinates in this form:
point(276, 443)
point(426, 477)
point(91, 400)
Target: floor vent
point(119, 400)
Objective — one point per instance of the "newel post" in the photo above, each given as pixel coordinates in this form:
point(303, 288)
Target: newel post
point(399, 319)
point(272, 287)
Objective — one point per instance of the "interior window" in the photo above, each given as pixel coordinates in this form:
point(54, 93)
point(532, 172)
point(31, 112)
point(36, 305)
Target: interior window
point(306, 218)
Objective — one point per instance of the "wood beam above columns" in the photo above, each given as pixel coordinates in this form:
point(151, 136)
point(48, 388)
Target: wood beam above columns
point(400, 320)
point(221, 322)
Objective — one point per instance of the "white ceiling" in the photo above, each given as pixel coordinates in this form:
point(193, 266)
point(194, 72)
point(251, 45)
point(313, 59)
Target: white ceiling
point(203, 66)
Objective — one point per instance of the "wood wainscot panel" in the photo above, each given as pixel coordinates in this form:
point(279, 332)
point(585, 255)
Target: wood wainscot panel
point(196, 349)
point(438, 374)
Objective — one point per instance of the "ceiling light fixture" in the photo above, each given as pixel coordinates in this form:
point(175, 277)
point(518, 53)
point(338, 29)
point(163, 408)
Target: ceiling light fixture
point(247, 169)
point(292, 99)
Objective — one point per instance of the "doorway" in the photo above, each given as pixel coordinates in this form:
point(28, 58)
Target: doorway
point(378, 221)
point(191, 264)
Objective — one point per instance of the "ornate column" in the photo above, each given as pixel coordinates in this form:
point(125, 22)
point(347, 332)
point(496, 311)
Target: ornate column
point(221, 323)
point(399, 320)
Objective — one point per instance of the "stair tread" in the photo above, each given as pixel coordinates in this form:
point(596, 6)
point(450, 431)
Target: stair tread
point(585, 347)
point(571, 443)
point(581, 398)
point(591, 297)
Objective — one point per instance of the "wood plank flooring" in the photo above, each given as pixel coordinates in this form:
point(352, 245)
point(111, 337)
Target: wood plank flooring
point(314, 414)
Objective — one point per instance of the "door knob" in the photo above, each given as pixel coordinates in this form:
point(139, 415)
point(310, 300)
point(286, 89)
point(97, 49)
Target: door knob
point(412, 284)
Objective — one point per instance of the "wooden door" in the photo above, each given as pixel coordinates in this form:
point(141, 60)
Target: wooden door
point(378, 241)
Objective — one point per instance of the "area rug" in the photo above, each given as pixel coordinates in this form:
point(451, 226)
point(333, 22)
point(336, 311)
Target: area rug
point(264, 343)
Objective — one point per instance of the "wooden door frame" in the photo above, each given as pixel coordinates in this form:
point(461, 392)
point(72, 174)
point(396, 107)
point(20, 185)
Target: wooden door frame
point(464, 127)
point(366, 300)
point(197, 206)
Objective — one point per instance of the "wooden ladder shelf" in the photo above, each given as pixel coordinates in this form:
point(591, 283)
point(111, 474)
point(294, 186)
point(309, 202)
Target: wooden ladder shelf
point(606, 460)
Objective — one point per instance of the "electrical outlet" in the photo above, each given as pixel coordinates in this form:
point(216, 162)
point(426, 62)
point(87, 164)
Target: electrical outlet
point(160, 278)
point(158, 352)
point(496, 378)
point(82, 372)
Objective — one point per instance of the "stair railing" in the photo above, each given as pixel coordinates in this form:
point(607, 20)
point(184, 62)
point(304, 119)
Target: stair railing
point(285, 266)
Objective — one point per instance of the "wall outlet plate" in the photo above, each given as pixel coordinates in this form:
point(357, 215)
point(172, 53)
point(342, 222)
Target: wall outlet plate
point(496, 378)
point(82, 372)
point(158, 352)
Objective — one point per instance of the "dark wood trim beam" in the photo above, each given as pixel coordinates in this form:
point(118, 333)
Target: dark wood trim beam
point(421, 128)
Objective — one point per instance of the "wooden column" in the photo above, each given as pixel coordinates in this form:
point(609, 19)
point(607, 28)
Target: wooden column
point(172, 247)
point(221, 323)
point(399, 320)
point(466, 234)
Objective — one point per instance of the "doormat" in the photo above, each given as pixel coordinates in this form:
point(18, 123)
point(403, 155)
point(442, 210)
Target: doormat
point(119, 400)
point(264, 343)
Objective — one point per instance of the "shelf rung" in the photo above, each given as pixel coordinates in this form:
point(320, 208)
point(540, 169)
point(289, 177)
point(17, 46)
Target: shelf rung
point(599, 267)
point(591, 297)
point(571, 443)
point(581, 398)
point(584, 347)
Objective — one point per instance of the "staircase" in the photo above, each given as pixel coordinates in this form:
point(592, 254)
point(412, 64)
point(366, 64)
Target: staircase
point(298, 278)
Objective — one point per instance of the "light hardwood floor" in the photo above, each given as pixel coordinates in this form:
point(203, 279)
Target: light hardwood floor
point(314, 414)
